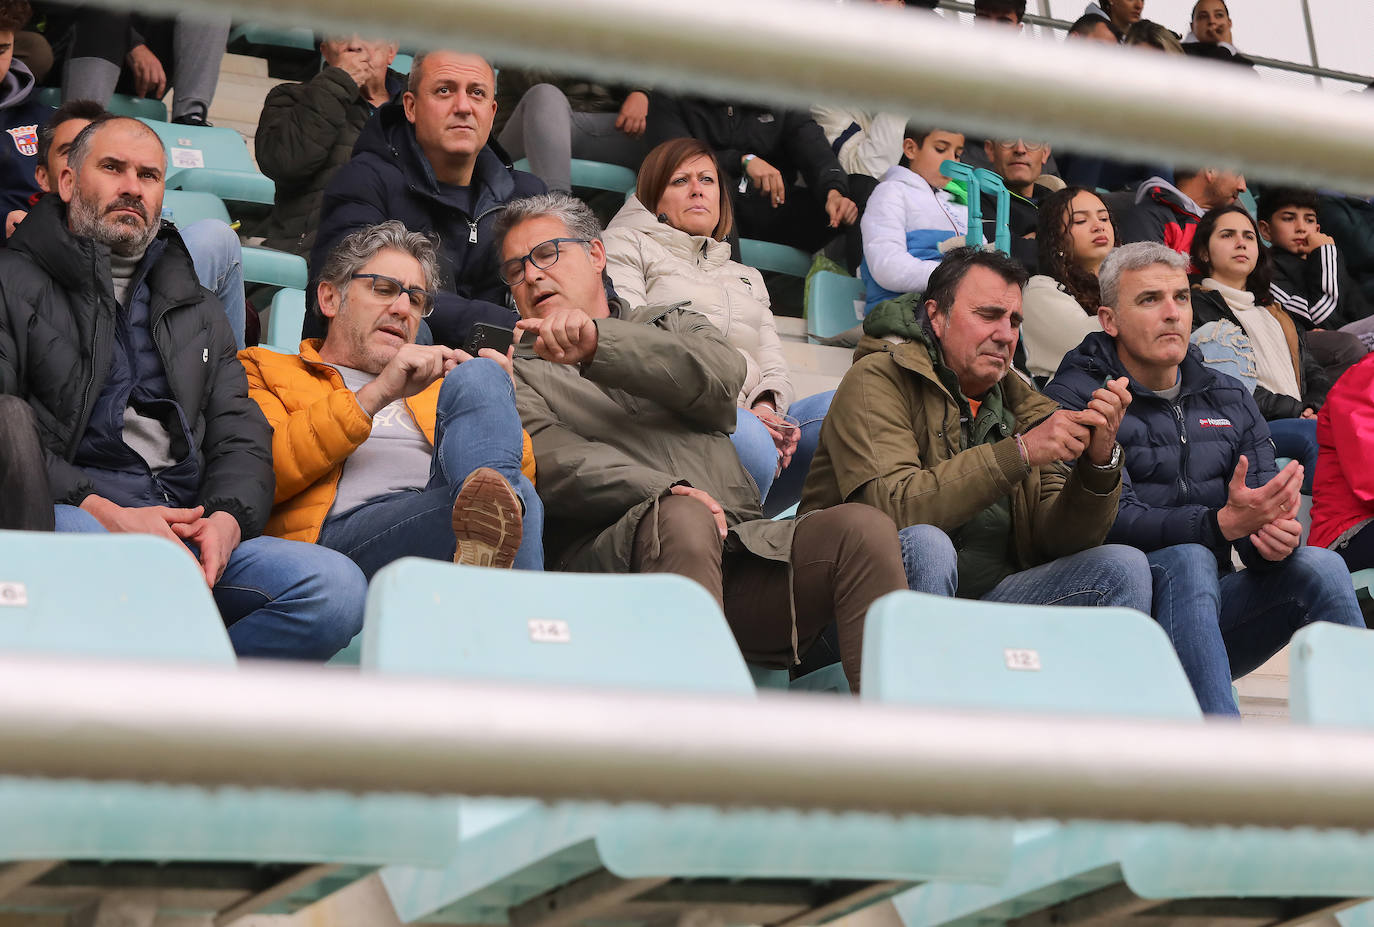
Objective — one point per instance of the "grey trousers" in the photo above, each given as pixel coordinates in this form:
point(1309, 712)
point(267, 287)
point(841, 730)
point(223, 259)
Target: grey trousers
point(544, 129)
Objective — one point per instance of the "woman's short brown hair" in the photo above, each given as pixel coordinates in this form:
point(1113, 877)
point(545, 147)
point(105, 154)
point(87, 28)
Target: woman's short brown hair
point(659, 166)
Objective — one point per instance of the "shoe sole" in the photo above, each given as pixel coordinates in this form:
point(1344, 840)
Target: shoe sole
point(487, 524)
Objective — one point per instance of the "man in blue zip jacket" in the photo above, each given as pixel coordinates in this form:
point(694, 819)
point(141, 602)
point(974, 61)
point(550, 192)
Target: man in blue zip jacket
point(427, 160)
point(1199, 481)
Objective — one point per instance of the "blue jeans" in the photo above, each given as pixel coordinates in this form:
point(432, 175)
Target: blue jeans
point(759, 454)
point(218, 256)
point(477, 426)
point(1297, 438)
point(1225, 626)
point(1112, 574)
point(279, 599)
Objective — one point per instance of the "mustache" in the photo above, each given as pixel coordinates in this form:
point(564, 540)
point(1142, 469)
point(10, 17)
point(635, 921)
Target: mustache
point(128, 202)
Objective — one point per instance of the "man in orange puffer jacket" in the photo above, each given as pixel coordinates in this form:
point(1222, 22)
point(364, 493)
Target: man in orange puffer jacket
point(384, 448)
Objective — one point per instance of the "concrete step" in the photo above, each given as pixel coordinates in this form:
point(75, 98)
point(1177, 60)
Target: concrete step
point(247, 65)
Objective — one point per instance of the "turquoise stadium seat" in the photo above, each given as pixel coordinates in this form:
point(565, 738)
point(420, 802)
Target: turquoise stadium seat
point(119, 104)
point(142, 598)
point(1329, 685)
point(212, 159)
point(834, 304)
point(952, 653)
point(1364, 584)
point(260, 265)
point(259, 34)
point(595, 175)
point(402, 65)
point(653, 633)
point(285, 322)
point(774, 258)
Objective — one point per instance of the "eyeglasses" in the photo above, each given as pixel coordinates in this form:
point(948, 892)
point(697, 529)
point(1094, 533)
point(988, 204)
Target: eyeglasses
point(388, 288)
point(542, 256)
point(1029, 146)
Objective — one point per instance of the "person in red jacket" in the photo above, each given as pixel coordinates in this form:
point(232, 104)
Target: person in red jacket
point(1343, 492)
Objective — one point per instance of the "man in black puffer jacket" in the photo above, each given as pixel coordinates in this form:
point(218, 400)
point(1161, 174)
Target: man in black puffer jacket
point(427, 162)
point(140, 404)
point(306, 132)
point(1200, 481)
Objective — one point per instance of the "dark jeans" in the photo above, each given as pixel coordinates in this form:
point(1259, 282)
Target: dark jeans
point(1358, 550)
point(843, 559)
point(1297, 438)
point(1222, 627)
point(25, 500)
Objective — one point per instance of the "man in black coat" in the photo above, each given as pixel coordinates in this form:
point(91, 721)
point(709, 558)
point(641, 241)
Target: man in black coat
point(141, 406)
point(427, 161)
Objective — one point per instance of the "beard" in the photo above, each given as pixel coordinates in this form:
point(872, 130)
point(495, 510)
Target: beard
point(123, 234)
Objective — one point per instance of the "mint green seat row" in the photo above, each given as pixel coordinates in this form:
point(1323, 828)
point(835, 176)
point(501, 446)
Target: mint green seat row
point(773, 257)
point(260, 265)
point(1075, 661)
point(120, 104)
point(212, 159)
point(834, 304)
point(142, 598)
point(296, 37)
point(1364, 584)
point(595, 175)
point(519, 860)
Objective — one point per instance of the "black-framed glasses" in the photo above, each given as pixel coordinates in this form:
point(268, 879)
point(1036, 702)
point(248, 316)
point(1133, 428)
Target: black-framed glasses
point(388, 288)
point(542, 255)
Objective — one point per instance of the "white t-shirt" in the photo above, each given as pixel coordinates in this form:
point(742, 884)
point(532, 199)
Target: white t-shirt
point(396, 457)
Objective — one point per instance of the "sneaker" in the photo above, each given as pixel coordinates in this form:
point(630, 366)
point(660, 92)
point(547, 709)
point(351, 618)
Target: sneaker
point(192, 119)
point(487, 522)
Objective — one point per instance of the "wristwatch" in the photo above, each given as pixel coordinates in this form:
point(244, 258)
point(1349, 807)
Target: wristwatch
point(1114, 462)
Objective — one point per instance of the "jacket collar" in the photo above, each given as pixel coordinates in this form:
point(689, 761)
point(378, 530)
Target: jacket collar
point(1098, 357)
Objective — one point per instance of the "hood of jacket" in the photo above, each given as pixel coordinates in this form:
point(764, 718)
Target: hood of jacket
point(391, 137)
point(17, 85)
point(701, 250)
point(1161, 191)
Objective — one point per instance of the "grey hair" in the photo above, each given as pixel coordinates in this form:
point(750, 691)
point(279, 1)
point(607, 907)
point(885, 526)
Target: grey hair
point(576, 216)
point(81, 145)
point(353, 252)
point(1135, 256)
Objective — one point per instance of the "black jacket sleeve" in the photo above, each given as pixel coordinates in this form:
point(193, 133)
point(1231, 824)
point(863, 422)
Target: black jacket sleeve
point(806, 146)
point(1141, 222)
point(300, 123)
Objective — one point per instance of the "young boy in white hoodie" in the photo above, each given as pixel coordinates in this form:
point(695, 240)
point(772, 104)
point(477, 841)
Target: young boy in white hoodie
point(909, 214)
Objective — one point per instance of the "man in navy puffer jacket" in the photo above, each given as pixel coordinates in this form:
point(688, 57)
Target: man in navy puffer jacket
point(426, 160)
point(1200, 480)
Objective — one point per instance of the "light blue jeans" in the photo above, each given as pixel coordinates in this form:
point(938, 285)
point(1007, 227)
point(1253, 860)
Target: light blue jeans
point(1112, 574)
point(279, 599)
point(759, 454)
point(477, 426)
point(218, 257)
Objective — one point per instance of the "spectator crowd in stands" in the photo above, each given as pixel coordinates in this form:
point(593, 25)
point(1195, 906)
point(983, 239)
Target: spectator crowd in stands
point(1094, 418)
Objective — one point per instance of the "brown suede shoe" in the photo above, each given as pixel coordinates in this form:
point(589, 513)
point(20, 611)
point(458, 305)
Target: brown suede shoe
point(487, 522)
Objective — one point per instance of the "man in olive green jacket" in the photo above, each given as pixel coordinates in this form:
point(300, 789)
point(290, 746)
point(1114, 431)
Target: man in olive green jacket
point(1000, 494)
point(629, 412)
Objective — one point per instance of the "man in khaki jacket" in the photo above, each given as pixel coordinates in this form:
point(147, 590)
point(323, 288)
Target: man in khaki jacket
point(629, 411)
point(1000, 494)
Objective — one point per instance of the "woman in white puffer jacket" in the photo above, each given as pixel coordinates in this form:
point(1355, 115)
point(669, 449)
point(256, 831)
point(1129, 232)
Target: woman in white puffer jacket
point(675, 250)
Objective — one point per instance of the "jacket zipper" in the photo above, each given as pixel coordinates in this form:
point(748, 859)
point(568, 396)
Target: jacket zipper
point(1183, 457)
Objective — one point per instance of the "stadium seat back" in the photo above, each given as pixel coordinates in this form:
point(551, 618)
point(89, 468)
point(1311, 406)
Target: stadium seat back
point(964, 654)
point(834, 304)
point(774, 258)
point(120, 104)
point(1329, 675)
point(595, 175)
point(285, 321)
point(212, 159)
point(430, 618)
point(117, 596)
point(188, 206)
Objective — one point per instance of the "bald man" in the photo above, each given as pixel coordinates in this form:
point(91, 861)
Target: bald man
point(429, 161)
point(141, 408)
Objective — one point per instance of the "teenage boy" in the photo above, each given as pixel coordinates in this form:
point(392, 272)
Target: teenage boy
point(1310, 277)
